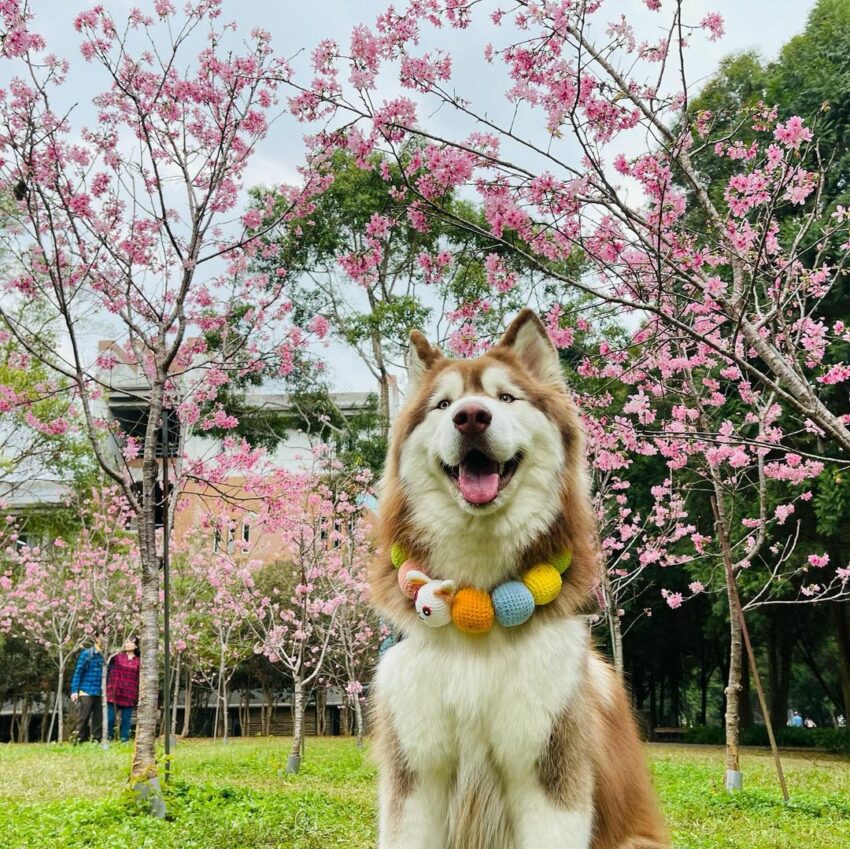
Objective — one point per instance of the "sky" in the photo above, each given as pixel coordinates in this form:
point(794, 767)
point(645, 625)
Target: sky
point(296, 27)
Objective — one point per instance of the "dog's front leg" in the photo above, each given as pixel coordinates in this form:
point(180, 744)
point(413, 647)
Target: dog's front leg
point(413, 813)
point(543, 823)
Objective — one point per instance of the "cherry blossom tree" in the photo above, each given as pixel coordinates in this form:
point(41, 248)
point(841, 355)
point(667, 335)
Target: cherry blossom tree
point(595, 148)
point(61, 594)
point(224, 622)
point(357, 631)
point(45, 603)
point(295, 617)
point(722, 441)
point(105, 557)
point(582, 87)
point(135, 220)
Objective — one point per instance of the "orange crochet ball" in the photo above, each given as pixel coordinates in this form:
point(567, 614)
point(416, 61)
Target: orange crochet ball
point(472, 611)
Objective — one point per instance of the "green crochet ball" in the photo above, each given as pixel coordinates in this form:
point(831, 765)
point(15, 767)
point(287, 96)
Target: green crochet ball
point(397, 554)
point(562, 561)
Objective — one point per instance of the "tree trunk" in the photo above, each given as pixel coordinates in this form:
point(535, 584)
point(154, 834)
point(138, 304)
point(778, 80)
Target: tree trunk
point(733, 691)
point(225, 713)
point(187, 704)
point(143, 776)
point(358, 722)
point(222, 693)
point(104, 707)
point(24, 721)
point(733, 685)
point(144, 754)
point(173, 724)
point(842, 640)
point(321, 701)
point(13, 720)
point(60, 704)
point(47, 727)
point(614, 626)
point(383, 379)
point(294, 762)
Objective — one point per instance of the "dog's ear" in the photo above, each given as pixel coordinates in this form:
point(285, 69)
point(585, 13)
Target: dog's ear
point(528, 339)
point(421, 355)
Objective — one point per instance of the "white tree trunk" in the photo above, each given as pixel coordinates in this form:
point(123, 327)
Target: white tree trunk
point(173, 725)
point(104, 707)
point(60, 703)
point(733, 707)
point(294, 762)
point(358, 722)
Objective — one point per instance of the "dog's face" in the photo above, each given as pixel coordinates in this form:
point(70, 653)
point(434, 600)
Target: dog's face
point(482, 443)
point(481, 447)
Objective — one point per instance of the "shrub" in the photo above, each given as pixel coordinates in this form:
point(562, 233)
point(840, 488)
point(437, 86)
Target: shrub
point(829, 739)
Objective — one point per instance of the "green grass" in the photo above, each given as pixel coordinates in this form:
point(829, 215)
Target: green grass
point(237, 796)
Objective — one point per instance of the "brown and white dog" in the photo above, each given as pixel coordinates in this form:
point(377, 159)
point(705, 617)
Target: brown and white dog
point(522, 738)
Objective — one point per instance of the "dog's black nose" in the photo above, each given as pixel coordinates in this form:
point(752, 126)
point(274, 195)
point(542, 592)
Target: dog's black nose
point(472, 419)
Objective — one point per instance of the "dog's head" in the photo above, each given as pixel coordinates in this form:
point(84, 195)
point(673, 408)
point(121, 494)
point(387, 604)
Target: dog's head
point(485, 470)
point(483, 436)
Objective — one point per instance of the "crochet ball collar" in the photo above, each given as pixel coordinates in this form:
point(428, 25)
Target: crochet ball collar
point(473, 610)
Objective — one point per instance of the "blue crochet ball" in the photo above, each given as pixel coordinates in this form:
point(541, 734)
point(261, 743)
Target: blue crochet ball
point(513, 603)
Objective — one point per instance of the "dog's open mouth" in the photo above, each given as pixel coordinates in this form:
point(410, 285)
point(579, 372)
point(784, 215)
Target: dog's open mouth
point(481, 478)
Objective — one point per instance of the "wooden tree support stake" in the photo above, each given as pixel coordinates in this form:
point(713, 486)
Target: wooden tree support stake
point(762, 700)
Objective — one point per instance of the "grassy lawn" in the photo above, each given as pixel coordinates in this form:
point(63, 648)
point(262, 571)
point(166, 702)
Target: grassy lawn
point(237, 796)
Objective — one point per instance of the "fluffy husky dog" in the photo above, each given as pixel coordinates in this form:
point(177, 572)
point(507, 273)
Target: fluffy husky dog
point(520, 738)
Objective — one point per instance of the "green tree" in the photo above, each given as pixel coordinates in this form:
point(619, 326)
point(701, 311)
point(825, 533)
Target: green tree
point(39, 436)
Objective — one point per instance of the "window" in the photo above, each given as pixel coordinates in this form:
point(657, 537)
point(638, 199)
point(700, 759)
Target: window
point(133, 419)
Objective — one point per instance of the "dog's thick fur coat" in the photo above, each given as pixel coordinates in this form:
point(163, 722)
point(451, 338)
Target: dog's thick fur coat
point(522, 738)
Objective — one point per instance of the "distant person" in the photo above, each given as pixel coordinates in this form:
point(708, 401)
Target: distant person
point(122, 689)
point(796, 720)
point(810, 723)
point(840, 721)
point(86, 689)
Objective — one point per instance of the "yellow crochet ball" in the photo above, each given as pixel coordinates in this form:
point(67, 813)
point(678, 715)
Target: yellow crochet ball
point(472, 611)
point(562, 561)
point(544, 583)
point(397, 554)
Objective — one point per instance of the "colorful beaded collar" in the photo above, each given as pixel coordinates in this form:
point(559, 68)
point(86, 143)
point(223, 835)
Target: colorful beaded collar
point(473, 610)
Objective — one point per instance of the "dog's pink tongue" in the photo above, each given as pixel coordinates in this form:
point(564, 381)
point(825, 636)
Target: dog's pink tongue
point(478, 487)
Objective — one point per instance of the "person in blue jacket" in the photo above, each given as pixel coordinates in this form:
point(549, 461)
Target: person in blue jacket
point(86, 689)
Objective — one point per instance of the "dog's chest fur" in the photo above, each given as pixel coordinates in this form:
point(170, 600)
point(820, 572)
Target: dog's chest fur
point(456, 699)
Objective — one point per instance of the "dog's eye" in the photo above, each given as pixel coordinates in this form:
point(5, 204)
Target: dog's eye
point(507, 398)
point(444, 404)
